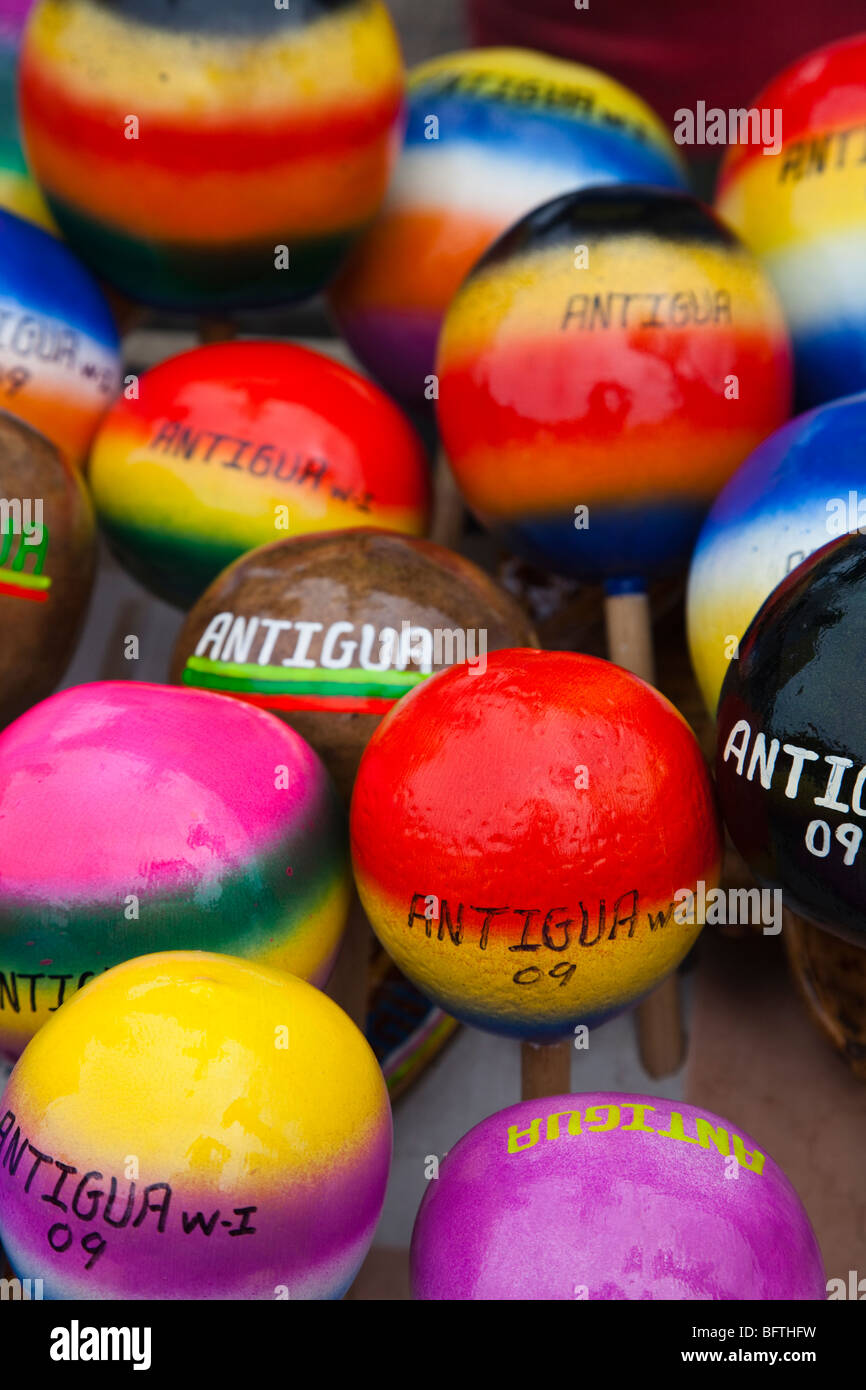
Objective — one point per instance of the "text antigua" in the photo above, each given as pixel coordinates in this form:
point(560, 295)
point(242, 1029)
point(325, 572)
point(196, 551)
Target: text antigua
point(770, 761)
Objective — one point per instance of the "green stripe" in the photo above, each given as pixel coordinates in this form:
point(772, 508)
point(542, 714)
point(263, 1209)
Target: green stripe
point(24, 581)
point(313, 681)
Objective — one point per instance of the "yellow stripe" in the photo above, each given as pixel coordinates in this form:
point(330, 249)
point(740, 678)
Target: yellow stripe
point(530, 295)
point(99, 57)
point(610, 96)
point(771, 216)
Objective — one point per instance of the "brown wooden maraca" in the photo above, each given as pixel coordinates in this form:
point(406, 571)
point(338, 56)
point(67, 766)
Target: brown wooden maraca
point(329, 631)
point(47, 561)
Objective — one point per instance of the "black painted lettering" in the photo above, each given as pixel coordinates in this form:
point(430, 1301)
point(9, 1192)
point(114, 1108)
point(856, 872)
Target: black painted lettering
point(198, 1219)
point(109, 1206)
point(93, 1196)
point(489, 914)
point(523, 944)
point(455, 933)
point(40, 1159)
point(584, 927)
point(94, 1244)
point(5, 1126)
point(630, 920)
point(9, 991)
point(244, 1229)
point(53, 1198)
point(60, 1237)
point(660, 919)
point(32, 979)
point(16, 1150)
point(563, 926)
point(161, 1206)
point(61, 989)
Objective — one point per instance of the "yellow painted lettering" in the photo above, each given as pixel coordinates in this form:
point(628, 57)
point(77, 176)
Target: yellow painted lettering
point(612, 1120)
point(553, 1123)
point(515, 1135)
point(753, 1161)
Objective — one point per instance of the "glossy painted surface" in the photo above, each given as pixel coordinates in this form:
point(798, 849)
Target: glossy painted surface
point(256, 1113)
point(550, 831)
point(791, 756)
point(514, 129)
point(18, 192)
point(792, 496)
point(329, 630)
point(47, 561)
point(231, 446)
point(607, 1197)
point(802, 212)
point(59, 349)
point(138, 818)
point(259, 127)
point(608, 385)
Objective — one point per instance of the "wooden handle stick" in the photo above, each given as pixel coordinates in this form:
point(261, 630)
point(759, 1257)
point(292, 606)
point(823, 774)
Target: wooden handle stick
point(661, 1039)
point(216, 330)
point(448, 508)
point(545, 1069)
point(350, 980)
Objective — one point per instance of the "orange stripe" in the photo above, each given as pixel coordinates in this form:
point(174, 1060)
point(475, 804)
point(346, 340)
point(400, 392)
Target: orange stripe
point(414, 260)
point(303, 197)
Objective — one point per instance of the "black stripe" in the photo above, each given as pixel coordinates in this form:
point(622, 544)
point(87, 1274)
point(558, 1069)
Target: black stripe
point(215, 18)
point(610, 213)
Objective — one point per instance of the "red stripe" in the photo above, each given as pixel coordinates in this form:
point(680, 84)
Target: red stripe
point(834, 98)
point(235, 144)
point(592, 386)
point(338, 704)
point(18, 591)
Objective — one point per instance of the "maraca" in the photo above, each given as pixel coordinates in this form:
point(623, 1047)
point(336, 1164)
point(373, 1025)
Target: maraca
point(209, 156)
point(612, 1197)
point(491, 133)
point(801, 211)
point(59, 349)
point(230, 446)
point(329, 630)
point(47, 559)
point(137, 818)
point(227, 1137)
point(523, 870)
point(602, 371)
point(791, 755)
point(794, 494)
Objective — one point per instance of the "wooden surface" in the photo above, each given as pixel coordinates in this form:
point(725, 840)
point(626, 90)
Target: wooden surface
point(755, 1058)
point(660, 1035)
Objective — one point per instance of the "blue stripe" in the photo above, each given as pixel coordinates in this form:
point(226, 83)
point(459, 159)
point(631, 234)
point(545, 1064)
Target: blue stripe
point(626, 544)
point(595, 153)
point(38, 272)
point(831, 362)
point(790, 473)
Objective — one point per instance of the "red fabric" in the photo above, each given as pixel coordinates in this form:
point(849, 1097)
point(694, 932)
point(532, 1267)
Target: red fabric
point(674, 53)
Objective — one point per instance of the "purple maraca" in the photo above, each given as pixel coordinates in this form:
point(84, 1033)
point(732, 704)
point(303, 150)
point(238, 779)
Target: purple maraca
point(604, 1196)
